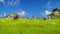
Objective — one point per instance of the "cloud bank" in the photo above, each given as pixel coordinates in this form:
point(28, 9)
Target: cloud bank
point(22, 13)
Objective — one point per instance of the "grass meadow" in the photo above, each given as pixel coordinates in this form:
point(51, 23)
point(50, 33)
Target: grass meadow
point(29, 26)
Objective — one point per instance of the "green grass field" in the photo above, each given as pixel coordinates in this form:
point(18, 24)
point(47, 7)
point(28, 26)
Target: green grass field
point(29, 26)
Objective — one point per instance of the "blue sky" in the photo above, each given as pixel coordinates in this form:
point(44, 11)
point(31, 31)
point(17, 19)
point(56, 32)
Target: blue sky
point(28, 8)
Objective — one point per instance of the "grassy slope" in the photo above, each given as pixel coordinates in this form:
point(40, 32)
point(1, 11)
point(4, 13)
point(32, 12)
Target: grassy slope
point(28, 26)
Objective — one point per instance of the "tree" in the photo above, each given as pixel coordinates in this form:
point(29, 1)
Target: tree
point(14, 16)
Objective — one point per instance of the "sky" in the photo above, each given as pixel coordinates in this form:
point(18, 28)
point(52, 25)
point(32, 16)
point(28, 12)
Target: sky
point(28, 8)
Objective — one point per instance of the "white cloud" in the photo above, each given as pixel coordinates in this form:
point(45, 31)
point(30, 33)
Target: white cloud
point(16, 2)
point(13, 2)
point(22, 13)
point(9, 3)
point(47, 12)
point(2, 1)
point(48, 5)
